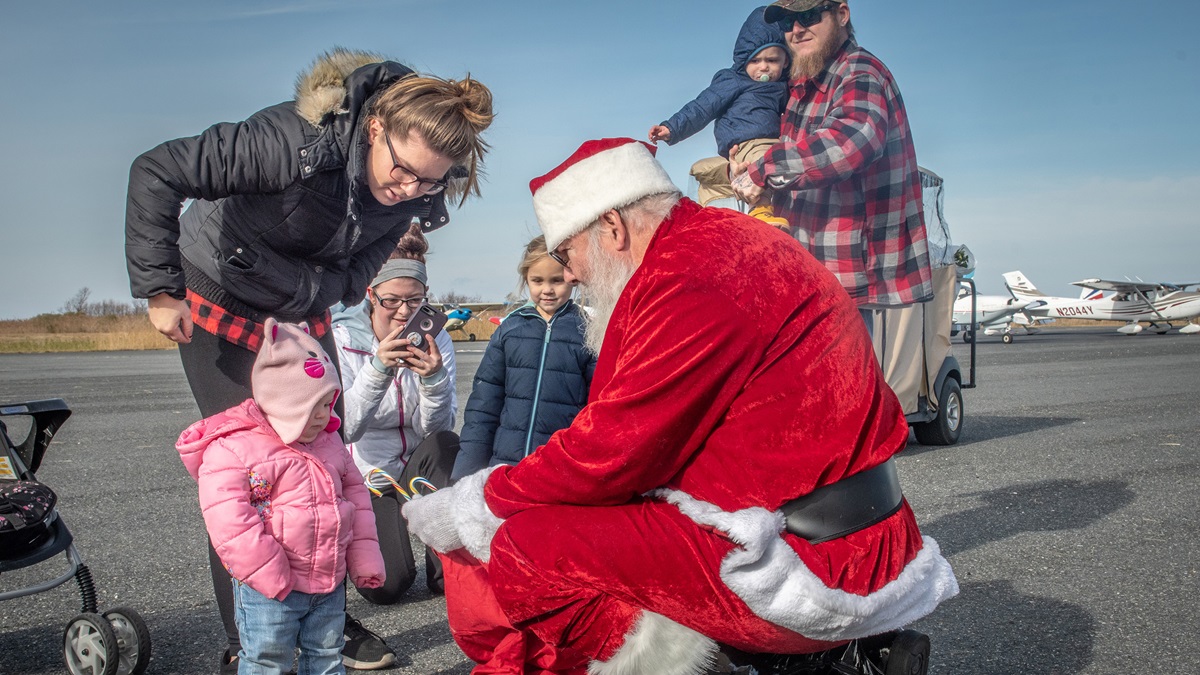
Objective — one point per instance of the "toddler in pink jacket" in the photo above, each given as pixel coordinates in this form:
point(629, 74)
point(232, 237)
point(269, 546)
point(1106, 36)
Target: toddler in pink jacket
point(285, 507)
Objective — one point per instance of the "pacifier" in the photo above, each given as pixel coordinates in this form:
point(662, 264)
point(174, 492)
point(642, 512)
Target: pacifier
point(764, 78)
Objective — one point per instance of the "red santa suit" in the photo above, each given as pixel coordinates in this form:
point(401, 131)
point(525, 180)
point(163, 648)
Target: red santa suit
point(736, 375)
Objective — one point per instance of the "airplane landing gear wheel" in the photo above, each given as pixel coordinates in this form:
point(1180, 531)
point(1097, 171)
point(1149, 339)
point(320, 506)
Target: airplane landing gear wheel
point(1008, 338)
point(470, 337)
point(90, 646)
point(968, 336)
point(133, 640)
point(947, 426)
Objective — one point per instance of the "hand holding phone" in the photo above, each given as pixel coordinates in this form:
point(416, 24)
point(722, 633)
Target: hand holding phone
point(425, 323)
point(414, 344)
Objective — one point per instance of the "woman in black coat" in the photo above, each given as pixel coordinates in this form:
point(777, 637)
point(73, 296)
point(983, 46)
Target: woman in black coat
point(294, 210)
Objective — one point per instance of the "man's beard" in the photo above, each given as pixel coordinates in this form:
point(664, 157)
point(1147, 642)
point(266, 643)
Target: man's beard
point(609, 275)
point(809, 66)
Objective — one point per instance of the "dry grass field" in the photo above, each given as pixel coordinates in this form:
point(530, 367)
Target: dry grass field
point(83, 333)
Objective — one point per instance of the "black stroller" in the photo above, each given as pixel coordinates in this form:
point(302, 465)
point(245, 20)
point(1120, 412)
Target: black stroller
point(31, 531)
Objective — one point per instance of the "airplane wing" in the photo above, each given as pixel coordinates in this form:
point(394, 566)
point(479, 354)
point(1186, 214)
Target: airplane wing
point(1002, 315)
point(475, 307)
point(1130, 286)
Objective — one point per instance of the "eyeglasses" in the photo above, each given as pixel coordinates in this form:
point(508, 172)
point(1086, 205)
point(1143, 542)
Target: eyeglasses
point(562, 258)
point(403, 176)
point(806, 18)
point(394, 303)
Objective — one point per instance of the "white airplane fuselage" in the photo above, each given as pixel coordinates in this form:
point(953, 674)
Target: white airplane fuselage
point(1172, 306)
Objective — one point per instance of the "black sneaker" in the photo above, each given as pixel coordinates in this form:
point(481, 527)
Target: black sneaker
point(229, 663)
point(365, 650)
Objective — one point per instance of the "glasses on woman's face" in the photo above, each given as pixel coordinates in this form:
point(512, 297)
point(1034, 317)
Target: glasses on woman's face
point(403, 176)
point(808, 18)
point(390, 302)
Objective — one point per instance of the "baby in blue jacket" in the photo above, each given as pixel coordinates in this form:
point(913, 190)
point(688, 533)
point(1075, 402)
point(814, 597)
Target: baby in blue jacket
point(746, 102)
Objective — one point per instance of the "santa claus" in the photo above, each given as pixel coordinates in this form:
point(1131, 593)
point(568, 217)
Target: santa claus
point(730, 478)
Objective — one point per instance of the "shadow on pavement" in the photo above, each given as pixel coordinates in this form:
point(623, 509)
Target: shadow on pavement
point(979, 428)
point(1033, 507)
point(998, 629)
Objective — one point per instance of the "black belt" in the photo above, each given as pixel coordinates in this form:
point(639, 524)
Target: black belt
point(849, 505)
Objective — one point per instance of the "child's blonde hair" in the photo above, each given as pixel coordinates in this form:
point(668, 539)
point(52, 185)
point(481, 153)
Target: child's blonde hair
point(535, 250)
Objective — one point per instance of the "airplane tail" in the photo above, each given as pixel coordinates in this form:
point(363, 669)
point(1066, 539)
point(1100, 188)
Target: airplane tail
point(1091, 294)
point(1020, 287)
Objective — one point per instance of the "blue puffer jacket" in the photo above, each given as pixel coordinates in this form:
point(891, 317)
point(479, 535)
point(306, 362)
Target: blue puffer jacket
point(743, 109)
point(532, 381)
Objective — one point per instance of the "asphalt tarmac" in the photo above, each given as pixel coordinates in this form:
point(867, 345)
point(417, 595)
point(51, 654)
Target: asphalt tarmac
point(1068, 510)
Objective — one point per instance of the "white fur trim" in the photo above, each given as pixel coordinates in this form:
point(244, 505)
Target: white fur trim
point(475, 522)
point(609, 179)
point(777, 586)
point(660, 646)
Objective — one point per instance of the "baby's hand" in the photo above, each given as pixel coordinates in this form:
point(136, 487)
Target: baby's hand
point(659, 132)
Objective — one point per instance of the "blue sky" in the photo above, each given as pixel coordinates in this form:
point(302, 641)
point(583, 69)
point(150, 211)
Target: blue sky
point(1064, 131)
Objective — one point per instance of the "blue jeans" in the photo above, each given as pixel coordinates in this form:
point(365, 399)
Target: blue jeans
point(272, 629)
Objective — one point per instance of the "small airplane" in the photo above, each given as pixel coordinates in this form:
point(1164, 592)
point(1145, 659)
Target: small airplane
point(993, 314)
point(1131, 301)
point(459, 314)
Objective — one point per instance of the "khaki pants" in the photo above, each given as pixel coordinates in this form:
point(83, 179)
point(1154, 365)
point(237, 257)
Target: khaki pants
point(712, 173)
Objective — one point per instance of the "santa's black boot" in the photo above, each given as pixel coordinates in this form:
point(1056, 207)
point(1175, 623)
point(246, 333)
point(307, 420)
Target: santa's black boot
point(908, 654)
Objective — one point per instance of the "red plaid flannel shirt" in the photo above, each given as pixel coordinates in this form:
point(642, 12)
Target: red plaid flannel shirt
point(243, 332)
point(845, 177)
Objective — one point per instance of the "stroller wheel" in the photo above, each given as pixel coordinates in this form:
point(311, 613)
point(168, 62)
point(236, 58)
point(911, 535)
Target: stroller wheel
point(90, 646)
point(133, 640)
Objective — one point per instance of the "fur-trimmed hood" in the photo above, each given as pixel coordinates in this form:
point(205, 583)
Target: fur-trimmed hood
point(321, 90)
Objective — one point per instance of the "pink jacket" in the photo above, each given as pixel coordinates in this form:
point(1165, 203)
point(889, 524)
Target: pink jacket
point(281, 517)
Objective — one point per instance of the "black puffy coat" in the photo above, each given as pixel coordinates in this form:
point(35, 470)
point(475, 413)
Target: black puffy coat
point(532, 381)
point(279, 221)
point(741, 108)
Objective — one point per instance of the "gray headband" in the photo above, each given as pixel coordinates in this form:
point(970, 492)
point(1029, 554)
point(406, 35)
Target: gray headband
point(401, 267)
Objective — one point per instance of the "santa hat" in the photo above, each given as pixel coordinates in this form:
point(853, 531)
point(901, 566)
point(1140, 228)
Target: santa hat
point(605, 174)
point(291, 374)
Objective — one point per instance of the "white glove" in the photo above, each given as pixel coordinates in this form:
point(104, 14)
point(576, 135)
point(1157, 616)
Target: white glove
point(431, 518)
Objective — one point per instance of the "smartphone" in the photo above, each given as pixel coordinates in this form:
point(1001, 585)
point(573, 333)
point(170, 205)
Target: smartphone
point(425, 321)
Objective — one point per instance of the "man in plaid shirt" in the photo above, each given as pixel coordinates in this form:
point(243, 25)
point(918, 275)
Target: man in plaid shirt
point(845, 172)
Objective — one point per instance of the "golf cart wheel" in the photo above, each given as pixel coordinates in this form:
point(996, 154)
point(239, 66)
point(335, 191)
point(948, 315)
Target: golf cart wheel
point(1008, 338)
point(946, 427)
point(133, 640)
point(90, 646)
point(909, 654)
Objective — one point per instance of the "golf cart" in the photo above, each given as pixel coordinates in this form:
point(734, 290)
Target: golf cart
point(913, 342)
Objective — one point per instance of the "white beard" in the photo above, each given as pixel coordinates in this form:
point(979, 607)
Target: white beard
point(609, 275)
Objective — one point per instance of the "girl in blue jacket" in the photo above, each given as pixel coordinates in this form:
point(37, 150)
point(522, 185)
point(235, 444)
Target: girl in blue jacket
point(534, 376)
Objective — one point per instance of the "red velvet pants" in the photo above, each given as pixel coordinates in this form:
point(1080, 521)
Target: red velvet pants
point(566, 584)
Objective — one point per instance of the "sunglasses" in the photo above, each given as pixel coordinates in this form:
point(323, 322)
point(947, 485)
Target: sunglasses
point(806, 18)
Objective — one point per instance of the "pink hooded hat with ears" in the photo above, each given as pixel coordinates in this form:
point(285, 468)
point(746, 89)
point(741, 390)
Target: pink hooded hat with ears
point(291, 374)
